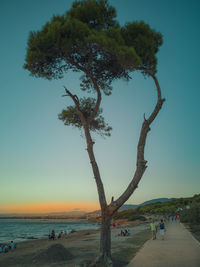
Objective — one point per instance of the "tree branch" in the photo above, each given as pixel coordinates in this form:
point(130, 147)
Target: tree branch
point(90, 143)
point(96, 87)
point(73, 97)
point(77, 104)
point(97, 176)
point(160, 100)
point(141, 162)
point(98, 102)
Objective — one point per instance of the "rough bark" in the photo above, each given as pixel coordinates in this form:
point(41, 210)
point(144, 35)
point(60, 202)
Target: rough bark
point(105, 241)
point(104, 259)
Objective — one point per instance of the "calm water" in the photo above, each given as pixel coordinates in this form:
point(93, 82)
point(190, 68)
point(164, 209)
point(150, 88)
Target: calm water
point(20, 230)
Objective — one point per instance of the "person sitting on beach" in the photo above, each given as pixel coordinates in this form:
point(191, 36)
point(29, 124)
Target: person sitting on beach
point(5, 248)
point(1, 248)
point(12, 245)
point(122, 233)
point(60, 234)
point(127, 233)
point(52, 235)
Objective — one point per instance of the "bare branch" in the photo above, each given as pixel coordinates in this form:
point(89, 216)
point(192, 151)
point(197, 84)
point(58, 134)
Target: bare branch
point(73, 97)
point(77, 104)
point(160, 100)
point(97, 176)
point(96, 109)
point(141, 162)
point(90, 143)
point(96, 87)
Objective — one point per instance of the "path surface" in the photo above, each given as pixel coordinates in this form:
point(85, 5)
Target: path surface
point(179, 249)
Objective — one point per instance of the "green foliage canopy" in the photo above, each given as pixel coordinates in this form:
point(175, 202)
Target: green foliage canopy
point(145, 42)
point(97, 15)
point(88, 39)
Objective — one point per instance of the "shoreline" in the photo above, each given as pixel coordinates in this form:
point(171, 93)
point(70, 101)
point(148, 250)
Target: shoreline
point(46, 219)
point(20, 230)
point(75, 248)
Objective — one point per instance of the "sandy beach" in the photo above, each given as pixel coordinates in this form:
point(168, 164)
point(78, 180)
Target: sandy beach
point(75, 249)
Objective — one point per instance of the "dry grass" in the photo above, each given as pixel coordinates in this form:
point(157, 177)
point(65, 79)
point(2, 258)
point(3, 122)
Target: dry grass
point(124, 255)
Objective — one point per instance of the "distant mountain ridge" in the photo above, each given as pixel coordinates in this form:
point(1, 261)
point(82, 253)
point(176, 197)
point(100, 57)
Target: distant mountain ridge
point(155, 200)
point(134, 206)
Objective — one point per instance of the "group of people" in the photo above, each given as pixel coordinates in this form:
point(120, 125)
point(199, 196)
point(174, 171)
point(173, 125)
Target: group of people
point(4, 248)
point(154, 229)
point(161, 226)
point(174, 218)
point(124, 233)
point(52, 235)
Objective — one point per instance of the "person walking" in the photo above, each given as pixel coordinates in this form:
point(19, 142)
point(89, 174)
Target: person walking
point(153, 229)
point(162, 229)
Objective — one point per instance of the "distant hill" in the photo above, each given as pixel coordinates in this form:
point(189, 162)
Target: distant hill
point(130, 207)
point(133, 206)
point(155, 200)
point(164, 206)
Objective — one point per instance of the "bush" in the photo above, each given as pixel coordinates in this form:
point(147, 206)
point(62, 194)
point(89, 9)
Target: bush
point(137, 217)
point(191, 215)
point(130, 215)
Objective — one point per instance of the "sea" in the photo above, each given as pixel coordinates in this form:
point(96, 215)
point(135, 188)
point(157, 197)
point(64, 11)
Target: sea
point(20, 230)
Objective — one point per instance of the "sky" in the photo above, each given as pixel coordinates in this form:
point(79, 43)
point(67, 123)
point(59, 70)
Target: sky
point(44, 165)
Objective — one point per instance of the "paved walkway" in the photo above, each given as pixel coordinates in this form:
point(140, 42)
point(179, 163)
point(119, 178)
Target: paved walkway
point(179, 249)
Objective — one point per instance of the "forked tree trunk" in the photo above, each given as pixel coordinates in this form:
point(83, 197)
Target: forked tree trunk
point(105, 259)
point(107, 211)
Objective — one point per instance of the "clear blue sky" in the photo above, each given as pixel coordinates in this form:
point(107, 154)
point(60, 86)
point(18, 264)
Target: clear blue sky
point(41, 160)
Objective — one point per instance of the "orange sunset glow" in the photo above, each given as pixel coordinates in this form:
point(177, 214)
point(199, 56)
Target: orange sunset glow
point(49, 207)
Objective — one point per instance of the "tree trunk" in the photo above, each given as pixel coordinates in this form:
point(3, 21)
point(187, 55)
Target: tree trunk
point(105, 241)
point(104, 259)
